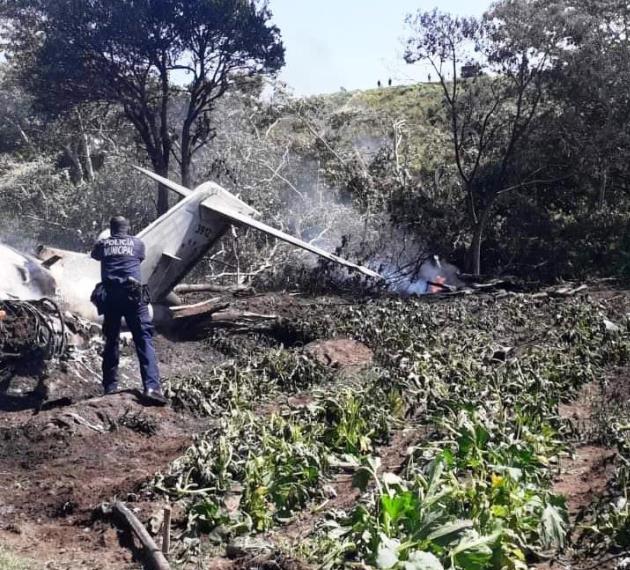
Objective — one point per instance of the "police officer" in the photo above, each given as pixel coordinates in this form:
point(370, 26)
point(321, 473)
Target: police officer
point(121, 255)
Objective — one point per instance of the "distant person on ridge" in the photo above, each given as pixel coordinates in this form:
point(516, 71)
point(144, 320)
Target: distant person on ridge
point(121, 294)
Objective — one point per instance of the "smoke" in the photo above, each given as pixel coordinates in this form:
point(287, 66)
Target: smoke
point(403, 283)
point(324, 174)
point(325, 216)
point(22, 241)
point(23, 277)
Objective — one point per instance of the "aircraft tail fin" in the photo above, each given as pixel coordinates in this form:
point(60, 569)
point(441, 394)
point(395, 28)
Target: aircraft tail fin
point(179, 238)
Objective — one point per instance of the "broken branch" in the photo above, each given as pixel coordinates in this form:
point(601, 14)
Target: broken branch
point(203, 308)
point(154, 557)
point(212, 288)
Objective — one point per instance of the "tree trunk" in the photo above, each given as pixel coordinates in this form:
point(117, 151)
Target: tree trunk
point(475, 247)
point(185, 171)
point(77, 174)
point(601, 202)
point(23, 134)
point(162, 198)
point(475, 251)
point(186, 155)
point(87, 157)
point(162, 203)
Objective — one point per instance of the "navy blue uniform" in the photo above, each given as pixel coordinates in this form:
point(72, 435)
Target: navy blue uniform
point(120, 256)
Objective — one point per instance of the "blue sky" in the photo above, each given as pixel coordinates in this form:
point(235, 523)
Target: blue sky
point(351, 43)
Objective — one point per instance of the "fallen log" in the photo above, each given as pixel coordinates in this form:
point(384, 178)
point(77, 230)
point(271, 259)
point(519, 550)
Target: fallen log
point(568, 291)
point(240, 318)
point(154, 557)
point(494, 284)
point(205, 307)
point(194, 305)
point(239, 290)
point(197, 322)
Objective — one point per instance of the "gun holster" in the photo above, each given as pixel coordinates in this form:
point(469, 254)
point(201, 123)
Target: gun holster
point(133, 290)
point(137, 293)
point(99, 298)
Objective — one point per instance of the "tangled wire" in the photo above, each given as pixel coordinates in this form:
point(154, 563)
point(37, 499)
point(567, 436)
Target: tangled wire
point(31, 329)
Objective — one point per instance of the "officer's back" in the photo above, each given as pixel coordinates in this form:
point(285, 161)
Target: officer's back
point(120, 254)
point(122, 295)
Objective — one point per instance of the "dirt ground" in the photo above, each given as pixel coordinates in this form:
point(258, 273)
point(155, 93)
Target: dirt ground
point(585, 474)
point(60, 461)
point(58, 466)
point(340, 353)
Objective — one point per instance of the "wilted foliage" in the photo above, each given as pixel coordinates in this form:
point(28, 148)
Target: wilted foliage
point(481, 380)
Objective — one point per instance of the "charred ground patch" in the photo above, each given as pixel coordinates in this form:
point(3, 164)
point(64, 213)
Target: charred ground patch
point(58, 466)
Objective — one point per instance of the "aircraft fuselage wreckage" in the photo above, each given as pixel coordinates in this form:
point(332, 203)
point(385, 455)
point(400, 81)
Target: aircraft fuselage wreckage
point(175, 242)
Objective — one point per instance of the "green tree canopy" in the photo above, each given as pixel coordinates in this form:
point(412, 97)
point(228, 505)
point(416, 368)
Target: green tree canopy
point(491, 114)
point(141, 54)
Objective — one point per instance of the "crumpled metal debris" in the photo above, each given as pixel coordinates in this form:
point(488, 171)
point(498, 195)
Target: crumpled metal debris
point(32, 329)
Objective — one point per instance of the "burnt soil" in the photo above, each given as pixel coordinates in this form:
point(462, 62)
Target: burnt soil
point(58, 466)
point(82, 449)
point(63, 460)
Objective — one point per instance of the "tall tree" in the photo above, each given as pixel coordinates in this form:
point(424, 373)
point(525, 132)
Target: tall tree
point(17, 122)
point(492, 110)
point(591, 86)
point(141, 55)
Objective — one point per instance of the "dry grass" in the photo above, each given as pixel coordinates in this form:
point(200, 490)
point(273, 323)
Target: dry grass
point(9, 561)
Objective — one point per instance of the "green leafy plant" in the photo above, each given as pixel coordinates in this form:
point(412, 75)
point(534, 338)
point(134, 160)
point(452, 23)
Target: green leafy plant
point(479, 382)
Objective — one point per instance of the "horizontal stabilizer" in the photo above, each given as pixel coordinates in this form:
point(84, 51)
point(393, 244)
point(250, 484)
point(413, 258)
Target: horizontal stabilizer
point(217, 203)
point(178, 188)
point(251, 222)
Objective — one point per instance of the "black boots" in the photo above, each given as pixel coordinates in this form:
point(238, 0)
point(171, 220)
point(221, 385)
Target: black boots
point(155, 397)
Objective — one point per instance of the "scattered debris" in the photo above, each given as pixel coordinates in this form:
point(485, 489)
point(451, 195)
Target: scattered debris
point(175, 243)
point(138, 422)
point(77, 455)
point(567, 291)
point(32, 329)
point(76, 418)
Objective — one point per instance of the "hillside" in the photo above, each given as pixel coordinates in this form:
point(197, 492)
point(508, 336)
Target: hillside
point(414, 109)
